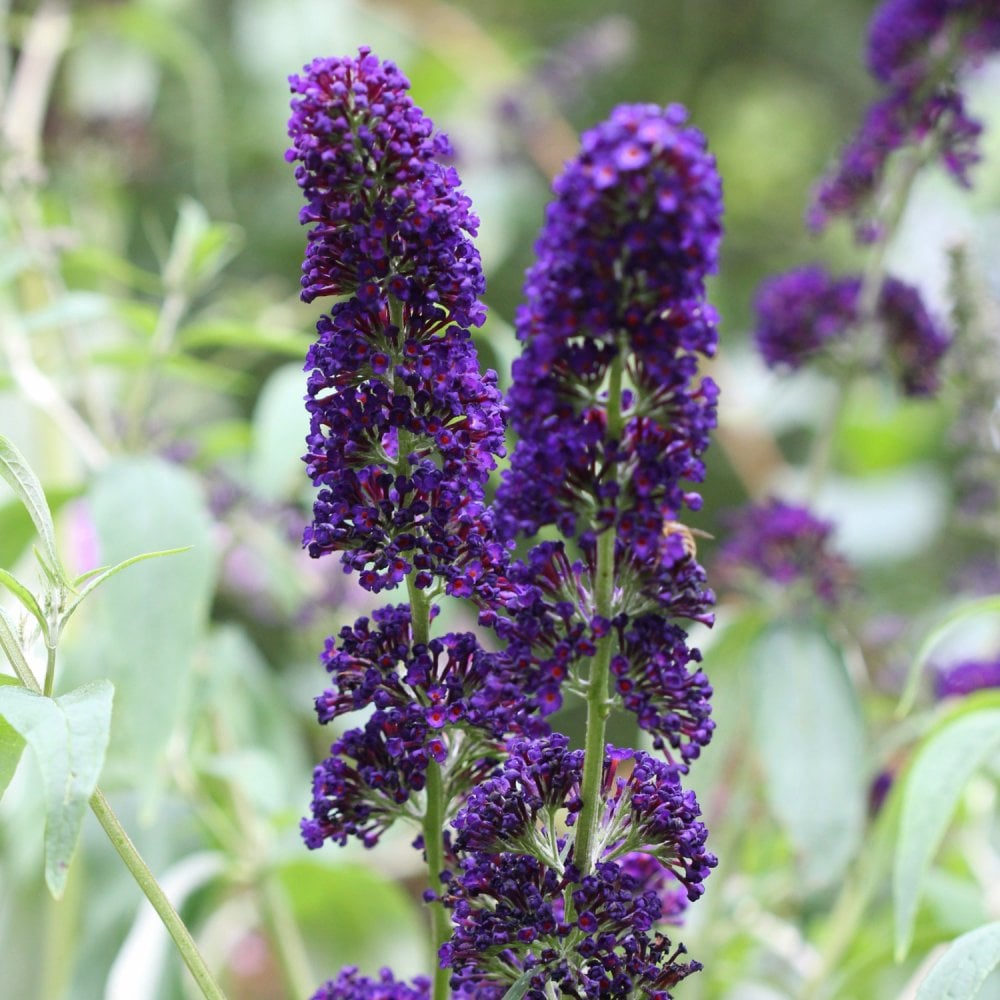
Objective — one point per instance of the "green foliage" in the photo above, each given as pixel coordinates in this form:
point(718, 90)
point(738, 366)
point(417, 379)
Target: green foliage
point(962, 970)
point(68, 736)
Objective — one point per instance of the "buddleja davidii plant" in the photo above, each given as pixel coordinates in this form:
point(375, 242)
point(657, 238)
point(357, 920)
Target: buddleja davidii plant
point(404, 434)
point(68, 733)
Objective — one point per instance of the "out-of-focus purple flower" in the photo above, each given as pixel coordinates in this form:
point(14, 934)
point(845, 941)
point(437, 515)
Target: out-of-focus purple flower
point(800, 311)
point(650, 875)
point(404, 430)
point(807, 313)
point(916, 49)
point(621, 264)
point(966, 677)
point(783, 543)
point(915, 343)
point(349, 985)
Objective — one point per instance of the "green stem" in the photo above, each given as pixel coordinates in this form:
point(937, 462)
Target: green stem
point(286, 941)
point(433, 823)
point(598, 706)
point(50, 671)
point(156, 896)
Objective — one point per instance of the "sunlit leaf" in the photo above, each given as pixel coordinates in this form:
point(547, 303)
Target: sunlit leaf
point(69, 737)
point(933, 785)
point(23, 481)
point(810, 738)
point(960, 972)
point(25, 596)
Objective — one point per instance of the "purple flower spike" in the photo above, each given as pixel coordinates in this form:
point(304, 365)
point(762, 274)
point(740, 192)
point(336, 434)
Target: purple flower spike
point(621, 263)
point(404, 429)
point(914, 341)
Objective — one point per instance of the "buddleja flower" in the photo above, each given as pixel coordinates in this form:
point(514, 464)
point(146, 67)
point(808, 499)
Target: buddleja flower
point(785, 544)
point(404, 429)
point(917, 49)
point(621, 263)
point(449, 701)
point(517, 870)
point(807, 314)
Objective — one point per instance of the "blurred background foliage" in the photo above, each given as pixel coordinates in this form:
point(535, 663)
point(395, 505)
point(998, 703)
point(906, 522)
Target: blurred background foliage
point(151, 372)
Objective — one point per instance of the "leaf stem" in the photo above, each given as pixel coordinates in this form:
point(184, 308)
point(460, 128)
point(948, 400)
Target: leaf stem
point(157, 897)
point(50, 670)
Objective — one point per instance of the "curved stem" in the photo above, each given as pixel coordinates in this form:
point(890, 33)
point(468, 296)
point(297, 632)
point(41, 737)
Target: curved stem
point(597, 686)
point(157, 897)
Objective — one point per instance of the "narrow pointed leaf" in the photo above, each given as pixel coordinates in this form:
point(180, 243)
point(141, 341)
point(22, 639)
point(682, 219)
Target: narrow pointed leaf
point(932, 789)
point(962, 969)
point(69, 737)
point(25, 596)
point(520, 986)
point(99, 576)
point(11, 745)
point(23, 481)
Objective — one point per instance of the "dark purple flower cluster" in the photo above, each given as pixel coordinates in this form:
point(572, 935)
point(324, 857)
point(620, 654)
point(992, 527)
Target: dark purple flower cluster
point(508, 900)
point(966, 677)
point(447, 699)
point(404, 429)
point(349, 985)
point(622, 259)
point(807, 313)
point(786, 544)
point(916, 50)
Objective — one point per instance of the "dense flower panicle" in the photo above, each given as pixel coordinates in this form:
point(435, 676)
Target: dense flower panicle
point(916, 49)
point(807, 313)
point(786, 544)
point(621, 263)
point(538, 788)
point(800, 311)
point(966, 677)
point(387, 214)
point(509, 918)
point(446, 701)
point(552, 631)
point(404, 429)
point(349, 985)
point(651, 876)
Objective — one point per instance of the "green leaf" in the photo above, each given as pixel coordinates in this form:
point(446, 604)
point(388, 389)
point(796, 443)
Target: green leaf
point(98, 576)
point(969, 609)
point(69, 737)
point(810, 737)
point(26, 597)
point(231, 333)
point(279, 429)
point(144, 627)
point(933, 784)
point(963, 968)
point(200, 248)
point(23, 481)
point(11, 745)
point(71, 309)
